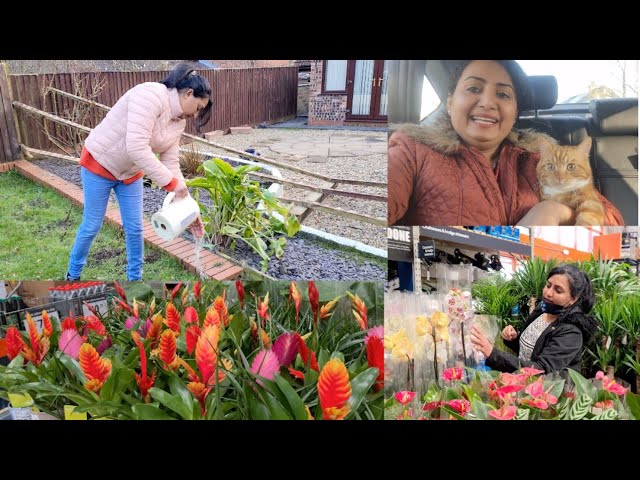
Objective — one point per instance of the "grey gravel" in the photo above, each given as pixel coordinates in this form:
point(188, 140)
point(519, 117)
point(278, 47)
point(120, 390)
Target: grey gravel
point(304, 257)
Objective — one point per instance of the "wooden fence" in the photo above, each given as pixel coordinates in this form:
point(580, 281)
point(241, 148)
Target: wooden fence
point(9, 144)
point(240, 97)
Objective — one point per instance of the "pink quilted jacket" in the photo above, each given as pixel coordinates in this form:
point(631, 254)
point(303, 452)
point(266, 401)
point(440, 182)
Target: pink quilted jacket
point(143, 122)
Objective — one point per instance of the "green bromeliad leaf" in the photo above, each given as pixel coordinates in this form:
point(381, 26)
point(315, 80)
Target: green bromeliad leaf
point(359, 388)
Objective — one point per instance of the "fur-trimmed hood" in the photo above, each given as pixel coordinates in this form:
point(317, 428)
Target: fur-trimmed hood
point(438, 133)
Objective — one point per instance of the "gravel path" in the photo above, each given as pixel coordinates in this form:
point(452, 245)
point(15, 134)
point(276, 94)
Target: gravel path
point(304, 257)
point(367, 167)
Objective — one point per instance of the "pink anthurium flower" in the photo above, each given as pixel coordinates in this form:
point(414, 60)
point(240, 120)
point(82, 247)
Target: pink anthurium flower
point(460, 405)
point(610, 385)
point(527, 371)
point(536, 402)
point(404, 396)
point(504, 413)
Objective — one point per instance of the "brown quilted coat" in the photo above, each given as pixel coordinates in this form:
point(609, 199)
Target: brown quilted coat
point(434, 179)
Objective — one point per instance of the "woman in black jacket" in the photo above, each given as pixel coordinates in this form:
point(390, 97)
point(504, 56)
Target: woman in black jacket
point(556, 331)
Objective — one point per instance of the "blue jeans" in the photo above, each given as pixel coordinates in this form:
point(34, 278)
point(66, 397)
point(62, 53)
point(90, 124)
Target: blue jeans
point(96, 197)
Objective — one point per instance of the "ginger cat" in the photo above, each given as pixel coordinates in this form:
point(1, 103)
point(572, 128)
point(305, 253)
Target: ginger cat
point(565, 176)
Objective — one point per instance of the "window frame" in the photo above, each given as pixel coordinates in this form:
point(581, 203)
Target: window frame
point(324, 78)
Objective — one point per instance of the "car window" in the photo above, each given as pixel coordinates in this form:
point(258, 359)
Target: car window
point(580, 81)
point(430, 100)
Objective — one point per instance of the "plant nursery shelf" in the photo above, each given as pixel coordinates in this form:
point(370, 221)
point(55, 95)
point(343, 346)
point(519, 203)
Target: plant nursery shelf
point(468, 238)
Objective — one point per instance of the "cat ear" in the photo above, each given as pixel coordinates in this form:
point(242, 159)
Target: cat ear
point(585, 146)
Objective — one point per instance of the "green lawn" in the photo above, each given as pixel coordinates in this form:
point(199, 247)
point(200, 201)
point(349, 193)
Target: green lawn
point(37, 230)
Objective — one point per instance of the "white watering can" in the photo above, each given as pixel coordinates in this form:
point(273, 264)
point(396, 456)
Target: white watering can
point(174, 217)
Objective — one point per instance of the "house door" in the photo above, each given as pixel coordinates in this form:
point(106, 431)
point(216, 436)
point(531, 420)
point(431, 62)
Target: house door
point(367, 90)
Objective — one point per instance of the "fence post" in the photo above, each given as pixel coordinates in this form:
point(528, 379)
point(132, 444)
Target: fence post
point(9, 137)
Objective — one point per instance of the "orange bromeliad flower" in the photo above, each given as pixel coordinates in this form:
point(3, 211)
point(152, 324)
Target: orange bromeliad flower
point(197, 289)
point(325, 310)
point(47, 327)
point(221, 307)
point(15, 343)
point(168, 349)
point(375, 358)
point(176, 290)
point(263, 308)
point(200, 391)
point(120, 290)
point(206, 355)
point(39, 344)
point(212, 318)
point(334, 390)
point(359, 310)
point(173, 318)
point(153, 332)
point(294, 294)
point(96, 325)
point(96, 369)
point(191, 373)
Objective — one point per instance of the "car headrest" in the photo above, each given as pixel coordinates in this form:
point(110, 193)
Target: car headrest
point(543, 91)
point(615, 116)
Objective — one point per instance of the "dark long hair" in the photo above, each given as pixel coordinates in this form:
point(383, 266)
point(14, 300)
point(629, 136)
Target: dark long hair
point(184, 76)
point(580, 285)
point(515, 71)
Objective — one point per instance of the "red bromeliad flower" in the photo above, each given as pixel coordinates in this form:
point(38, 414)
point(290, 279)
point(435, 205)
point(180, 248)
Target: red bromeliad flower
point(197, 289)
point(295, 295)
point(221, 307)
point(240, 289)
point(173, 318)
point(120, 290)
point(404, 396)
point(91, 309)
point(96, 325)
point(296, 373)
point(359, 310)
point(375, 358)
point(168, 349)
point(96, 369)
point(69, 323)
point(504, 413)
point(191, 316)
point(176, 290)
point(451, 374)
point(314, 300)
point(304, 354)
point(374, 332)
point(206, 354)
point(334, 390)
point(47, 328)
point(192, 334)
point(15, 343)
point(143, 381)
point(325, 310)
point(263, 308)
point(120, 304)
point(610, 385)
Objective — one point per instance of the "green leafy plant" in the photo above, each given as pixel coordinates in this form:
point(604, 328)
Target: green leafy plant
point(531, 276)
point(496, 296)
point(242, 211)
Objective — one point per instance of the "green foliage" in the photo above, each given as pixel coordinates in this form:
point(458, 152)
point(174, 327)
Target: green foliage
point(239, 208)
point(495, 296)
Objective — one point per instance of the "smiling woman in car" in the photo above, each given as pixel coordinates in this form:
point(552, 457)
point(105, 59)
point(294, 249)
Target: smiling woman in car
point(469, 165)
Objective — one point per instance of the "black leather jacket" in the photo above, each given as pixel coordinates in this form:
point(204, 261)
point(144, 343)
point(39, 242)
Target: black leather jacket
point(558, 347)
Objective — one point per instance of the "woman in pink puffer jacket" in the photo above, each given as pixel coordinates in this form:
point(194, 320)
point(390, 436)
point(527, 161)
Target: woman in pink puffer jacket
point(147, 120)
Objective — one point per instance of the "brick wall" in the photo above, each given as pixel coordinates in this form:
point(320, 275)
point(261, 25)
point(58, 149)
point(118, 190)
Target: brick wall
point(324, 109)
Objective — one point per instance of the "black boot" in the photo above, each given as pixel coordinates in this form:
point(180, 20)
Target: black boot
point(69, 278)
